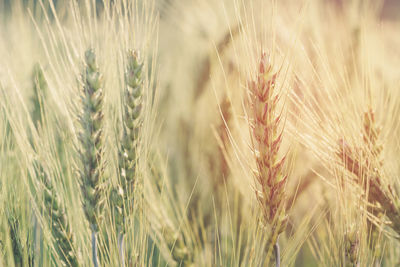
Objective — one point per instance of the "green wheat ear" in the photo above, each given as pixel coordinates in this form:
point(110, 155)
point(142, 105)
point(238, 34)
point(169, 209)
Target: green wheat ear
point(91, 139)
point(122, 195)
point(92, 146)
point(132, 120)
point(15, 236)
point(54, 207)
point(55, 210)
point(179, 251)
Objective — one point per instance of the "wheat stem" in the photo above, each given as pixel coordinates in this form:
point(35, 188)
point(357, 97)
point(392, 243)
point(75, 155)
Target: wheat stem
point(121, 248)
point(94, 247)
point(277, 255)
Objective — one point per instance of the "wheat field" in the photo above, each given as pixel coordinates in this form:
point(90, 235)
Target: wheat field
point(199, 133)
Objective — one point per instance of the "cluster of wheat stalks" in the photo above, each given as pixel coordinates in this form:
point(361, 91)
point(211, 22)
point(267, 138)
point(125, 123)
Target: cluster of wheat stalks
point(199, 133)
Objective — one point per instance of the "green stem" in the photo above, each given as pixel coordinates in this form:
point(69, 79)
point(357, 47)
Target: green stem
point(94, 249)
point(121, 248)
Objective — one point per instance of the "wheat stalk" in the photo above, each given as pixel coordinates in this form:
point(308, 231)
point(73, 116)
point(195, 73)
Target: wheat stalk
point(266, 139)
point(92, 143)
point(54, 207)
point(223, 134)
point(372, 150)
point(371, 134)
point(39, 92)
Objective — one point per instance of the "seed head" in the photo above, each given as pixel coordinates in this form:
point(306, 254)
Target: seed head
point(267, 138)
point(91, 140)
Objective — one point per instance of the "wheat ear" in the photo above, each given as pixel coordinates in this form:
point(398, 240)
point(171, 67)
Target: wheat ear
point(368, 173)
point(132, 121)
point(15, 237)
point(123, 194)
point(352, 245)
point(266, 139)
point(92, 146)
point(55, 209)
point(178, 249)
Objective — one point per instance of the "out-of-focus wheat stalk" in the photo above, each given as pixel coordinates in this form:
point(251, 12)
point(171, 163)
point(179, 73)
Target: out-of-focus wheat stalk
point(218, 161)
point(222, 130)
point(54, 206)
point(366, 164)
point(39, 93)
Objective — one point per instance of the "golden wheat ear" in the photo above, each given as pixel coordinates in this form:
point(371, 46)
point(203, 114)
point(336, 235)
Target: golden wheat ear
point(370, 177)
point(365, 163)
point(266, 130)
